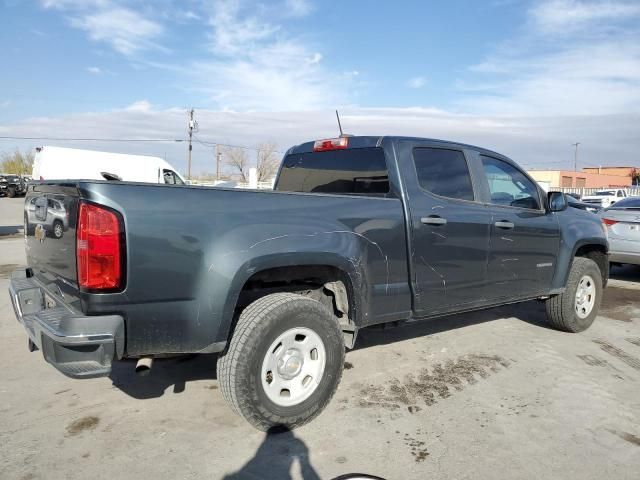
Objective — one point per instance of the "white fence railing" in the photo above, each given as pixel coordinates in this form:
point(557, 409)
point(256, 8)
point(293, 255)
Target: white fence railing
point(631, 191)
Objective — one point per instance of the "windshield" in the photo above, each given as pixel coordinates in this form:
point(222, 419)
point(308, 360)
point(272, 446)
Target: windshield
point(605, 192)
point(627, 203)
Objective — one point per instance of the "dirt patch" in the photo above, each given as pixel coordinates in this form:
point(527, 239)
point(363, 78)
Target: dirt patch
point(211, 387)
point(629, 437)
point(5, 270)
point(418, 449)
point(620, 354)
point(348, 365)
point(82, 424)
point(427, 386)
point(620, 304)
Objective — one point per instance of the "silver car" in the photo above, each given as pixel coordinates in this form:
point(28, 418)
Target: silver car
point(48, 214)
point(623, 225)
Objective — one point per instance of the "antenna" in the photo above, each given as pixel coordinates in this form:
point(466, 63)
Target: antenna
point(339, 124)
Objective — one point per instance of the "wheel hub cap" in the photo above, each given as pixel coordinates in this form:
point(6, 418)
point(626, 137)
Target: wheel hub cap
point(293, 366)
point(290, 364)
point(585, 296)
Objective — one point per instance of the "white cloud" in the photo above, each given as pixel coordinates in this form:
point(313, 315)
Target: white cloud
point(125, 30)
point(551, 70)
point(94, 70)
point(416, 82)
point(139, 106)
point(5, 103)
point(298, 8)
point(256, 64)
point(531, 141)
point(564, 16)
point(315, 58)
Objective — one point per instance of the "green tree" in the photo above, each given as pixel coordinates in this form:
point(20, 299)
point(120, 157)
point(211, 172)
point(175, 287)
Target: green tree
point(17, 163)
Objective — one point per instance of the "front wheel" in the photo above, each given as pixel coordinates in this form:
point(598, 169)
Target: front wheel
point(284, 361)
point(11, 192)
point(58, 229)
point(576, 308)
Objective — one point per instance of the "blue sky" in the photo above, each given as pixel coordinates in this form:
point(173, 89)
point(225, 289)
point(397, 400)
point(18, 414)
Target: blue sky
point(508, 74)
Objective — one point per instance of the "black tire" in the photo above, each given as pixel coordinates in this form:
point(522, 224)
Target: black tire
point(259, 325)
point(561, 309)
point(58, 229)
point(11, 192)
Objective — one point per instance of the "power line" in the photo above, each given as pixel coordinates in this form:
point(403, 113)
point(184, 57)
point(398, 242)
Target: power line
point(64, 139)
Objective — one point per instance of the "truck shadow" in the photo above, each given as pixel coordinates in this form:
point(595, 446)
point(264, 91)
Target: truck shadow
point(166, 372)
point(176, 372)
point(532, 312)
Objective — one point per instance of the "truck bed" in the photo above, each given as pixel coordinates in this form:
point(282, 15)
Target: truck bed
point(189, 250)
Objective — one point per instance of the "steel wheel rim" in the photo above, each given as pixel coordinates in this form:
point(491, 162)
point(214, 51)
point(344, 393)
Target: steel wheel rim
point(293, 366)
point(585, 296)
point(58, 230)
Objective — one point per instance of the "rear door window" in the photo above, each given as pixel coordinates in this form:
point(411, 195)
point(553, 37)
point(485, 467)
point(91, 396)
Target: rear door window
point(443, 172)
point(355, 171)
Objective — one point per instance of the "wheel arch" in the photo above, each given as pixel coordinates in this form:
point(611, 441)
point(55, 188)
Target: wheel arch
point(314, 274)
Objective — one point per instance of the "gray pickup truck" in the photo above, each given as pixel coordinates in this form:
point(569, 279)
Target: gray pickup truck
point(358, 231)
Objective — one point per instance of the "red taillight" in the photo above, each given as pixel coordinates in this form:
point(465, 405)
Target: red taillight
point(98, 248)
point(608, 222)
point(331, 144)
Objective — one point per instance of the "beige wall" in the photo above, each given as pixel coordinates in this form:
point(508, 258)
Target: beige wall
point(622, 171)
point(568, 178)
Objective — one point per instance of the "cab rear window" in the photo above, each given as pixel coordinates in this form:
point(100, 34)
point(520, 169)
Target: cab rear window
point(356, 171)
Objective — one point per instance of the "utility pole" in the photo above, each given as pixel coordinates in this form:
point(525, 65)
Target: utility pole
point(218, 155)
point(575, 157)
point(192, 124)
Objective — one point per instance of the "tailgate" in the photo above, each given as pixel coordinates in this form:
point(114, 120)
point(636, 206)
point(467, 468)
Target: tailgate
point(50, 217)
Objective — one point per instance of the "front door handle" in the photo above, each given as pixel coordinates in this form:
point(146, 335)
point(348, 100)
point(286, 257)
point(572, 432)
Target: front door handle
point(504, 224)
point(434, 220)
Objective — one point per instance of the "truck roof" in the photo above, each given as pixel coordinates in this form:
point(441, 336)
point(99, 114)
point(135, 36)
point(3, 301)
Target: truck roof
point(368, 141)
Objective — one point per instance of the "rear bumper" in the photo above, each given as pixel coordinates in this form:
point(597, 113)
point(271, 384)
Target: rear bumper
point(77, 345)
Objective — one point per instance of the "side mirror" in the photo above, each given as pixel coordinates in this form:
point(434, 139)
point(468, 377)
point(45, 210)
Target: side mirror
point(557, 201)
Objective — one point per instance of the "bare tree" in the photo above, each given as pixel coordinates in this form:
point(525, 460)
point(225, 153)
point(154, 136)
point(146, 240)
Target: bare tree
point(238, 160)
point(267, 161)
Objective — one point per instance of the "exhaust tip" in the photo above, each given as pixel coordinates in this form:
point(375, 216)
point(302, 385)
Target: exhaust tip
point(143, 367)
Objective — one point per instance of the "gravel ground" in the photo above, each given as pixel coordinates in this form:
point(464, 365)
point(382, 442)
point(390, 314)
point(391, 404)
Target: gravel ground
point(493, 394)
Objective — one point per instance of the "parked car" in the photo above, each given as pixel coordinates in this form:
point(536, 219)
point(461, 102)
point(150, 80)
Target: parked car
point(359, 231)
point(51, 163)
point(605, 198)
point(576, 196)
point(589, 207)
point(12, 185)
point(623, 226)
point(49, 214)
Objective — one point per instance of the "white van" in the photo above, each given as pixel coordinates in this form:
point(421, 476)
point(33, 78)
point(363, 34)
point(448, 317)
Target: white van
point(58, 163)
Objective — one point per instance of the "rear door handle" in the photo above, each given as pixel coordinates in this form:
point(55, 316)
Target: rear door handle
point(434, 220)
point(504, 224)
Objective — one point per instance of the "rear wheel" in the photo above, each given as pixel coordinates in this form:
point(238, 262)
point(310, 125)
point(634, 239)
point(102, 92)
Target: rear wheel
point(576, 308)
point(284, 361)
